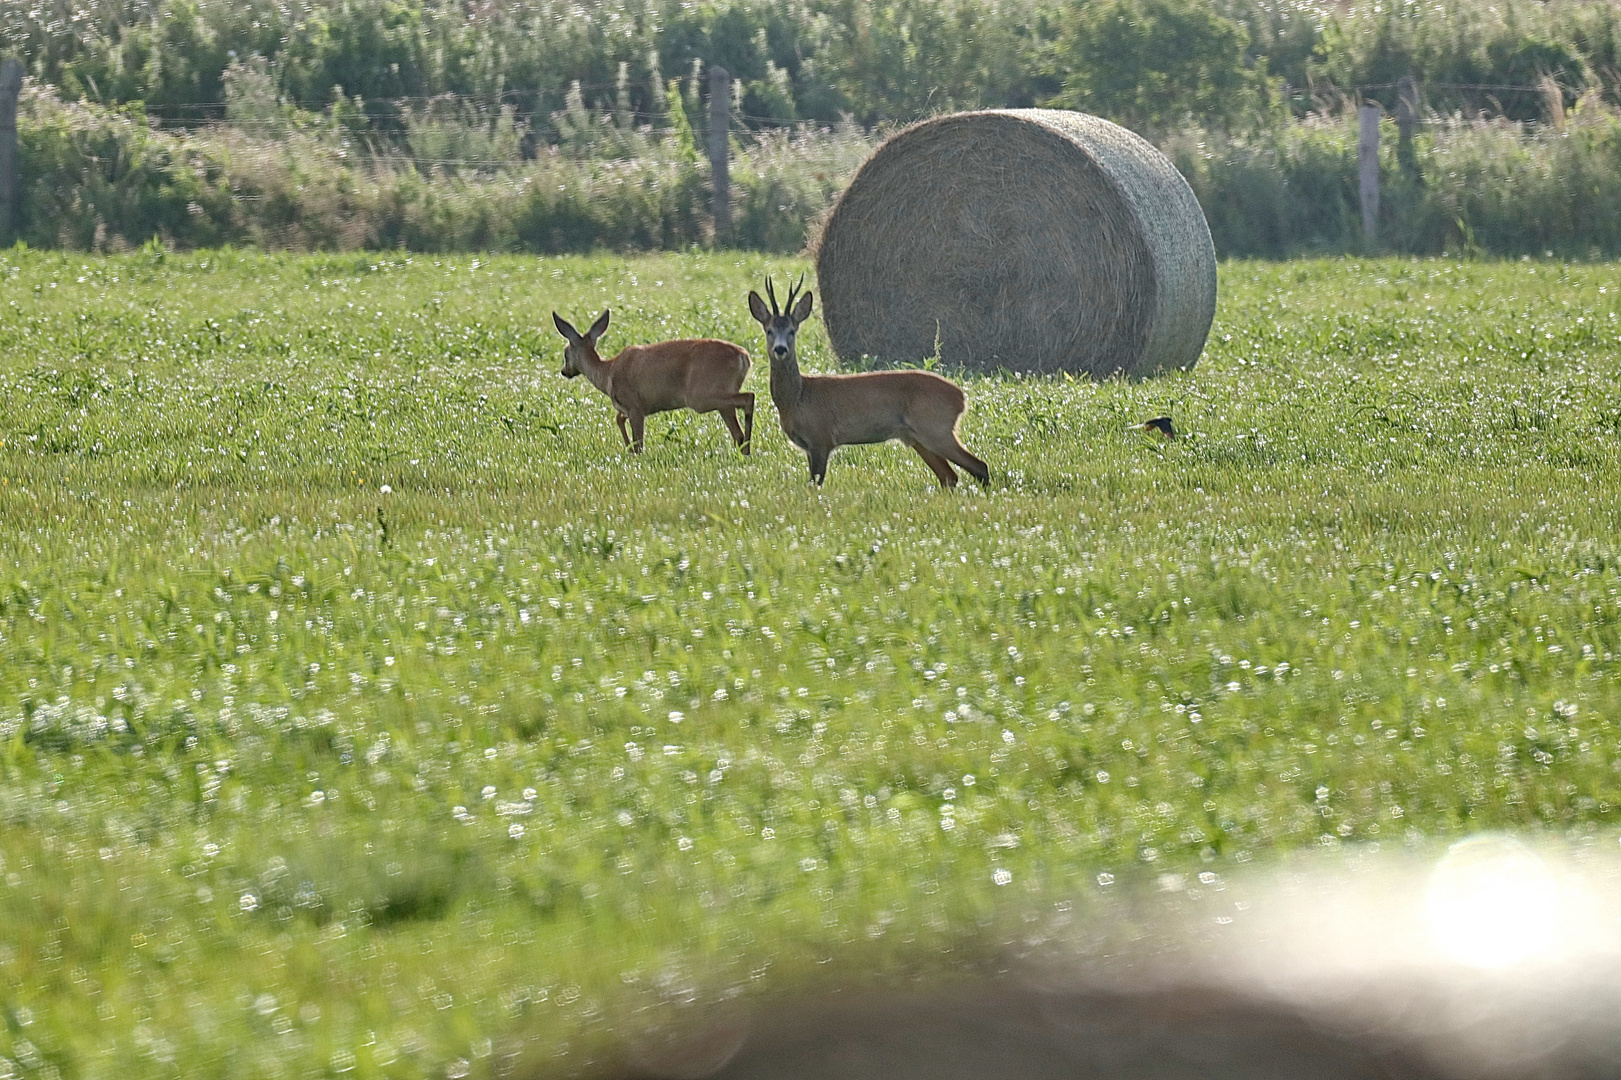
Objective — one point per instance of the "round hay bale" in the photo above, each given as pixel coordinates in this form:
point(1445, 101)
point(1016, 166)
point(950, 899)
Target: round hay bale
point(1028, 239)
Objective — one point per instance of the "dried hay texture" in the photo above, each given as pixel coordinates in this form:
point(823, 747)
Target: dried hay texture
point(1027, 239)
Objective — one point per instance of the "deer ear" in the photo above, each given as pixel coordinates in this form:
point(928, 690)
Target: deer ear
point(802, 309)
point(564, 328)
point(758, 309)
point(598, 327)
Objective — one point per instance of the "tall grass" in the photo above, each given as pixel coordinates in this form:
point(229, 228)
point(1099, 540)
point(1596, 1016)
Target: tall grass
point(1481, 186)
point(106, 180)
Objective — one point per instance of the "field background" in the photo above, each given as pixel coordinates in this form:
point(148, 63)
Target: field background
point(366, 710)
point(541, 127)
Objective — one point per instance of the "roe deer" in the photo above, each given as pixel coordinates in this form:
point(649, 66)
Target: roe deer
point(703, 375)
point(822, 412)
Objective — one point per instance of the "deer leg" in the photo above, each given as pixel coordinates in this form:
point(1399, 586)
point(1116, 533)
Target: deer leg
point(729, 415)
point(748, 422)
point(623, 434)
point(970, 464)
point(942, 468)
point(818, 465)
point(638, 431)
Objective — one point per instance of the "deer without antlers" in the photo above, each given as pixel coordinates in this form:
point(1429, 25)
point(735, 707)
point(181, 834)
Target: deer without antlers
point(702, 374)
point(822, 412)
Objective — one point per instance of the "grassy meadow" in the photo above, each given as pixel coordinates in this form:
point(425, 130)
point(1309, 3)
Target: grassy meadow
point(366, 710)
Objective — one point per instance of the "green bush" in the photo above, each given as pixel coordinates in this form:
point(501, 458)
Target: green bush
point(1476, 58)
point(91, 177)
point(1153, 64)
point(99, 178)
point(821, 59)
point(104, 179)
point(1482, 186)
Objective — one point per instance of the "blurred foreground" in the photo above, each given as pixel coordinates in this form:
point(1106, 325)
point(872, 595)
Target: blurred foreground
point(1497, 959)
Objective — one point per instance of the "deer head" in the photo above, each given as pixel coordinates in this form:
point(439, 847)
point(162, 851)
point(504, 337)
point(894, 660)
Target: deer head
point(581, 348)
point(780, 326)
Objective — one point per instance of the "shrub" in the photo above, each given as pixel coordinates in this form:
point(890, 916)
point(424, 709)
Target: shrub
point(1151, 64)
point(1482, 186)
point(94, 177)
point(100, 178)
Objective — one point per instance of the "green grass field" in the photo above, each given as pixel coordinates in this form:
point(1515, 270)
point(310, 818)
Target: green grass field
point(366, 710)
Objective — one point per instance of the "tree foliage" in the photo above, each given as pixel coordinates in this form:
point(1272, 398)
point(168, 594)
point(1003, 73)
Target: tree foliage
point(1154, 65)
point(1148, 63)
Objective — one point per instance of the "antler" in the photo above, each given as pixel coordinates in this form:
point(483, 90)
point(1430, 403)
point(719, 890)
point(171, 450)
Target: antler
point(771, 292)
point(789, 305)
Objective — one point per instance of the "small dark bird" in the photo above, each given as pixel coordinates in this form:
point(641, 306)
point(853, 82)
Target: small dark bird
point(1160, 424)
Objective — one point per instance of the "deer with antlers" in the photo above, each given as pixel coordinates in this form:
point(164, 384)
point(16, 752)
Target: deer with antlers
point(822, 412)
point(703, 375)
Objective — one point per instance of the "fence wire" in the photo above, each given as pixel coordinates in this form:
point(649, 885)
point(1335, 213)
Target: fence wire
point(534, 132)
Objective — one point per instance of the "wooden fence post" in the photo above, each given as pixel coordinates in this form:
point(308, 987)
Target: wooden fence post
point(1367, 159)
point(720, 131)
point(11, 81)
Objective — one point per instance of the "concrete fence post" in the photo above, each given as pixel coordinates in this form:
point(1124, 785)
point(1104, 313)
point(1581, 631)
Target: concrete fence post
point(720, 130)
point(11, 81)
point(1367, 159)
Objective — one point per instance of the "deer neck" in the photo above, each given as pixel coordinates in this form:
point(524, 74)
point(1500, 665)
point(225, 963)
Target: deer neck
point(598, 370)
point(786, 383)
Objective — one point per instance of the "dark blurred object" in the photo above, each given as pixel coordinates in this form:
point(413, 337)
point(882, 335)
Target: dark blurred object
point(1497, 960)
point(999, 1030)
point(1161, 425)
